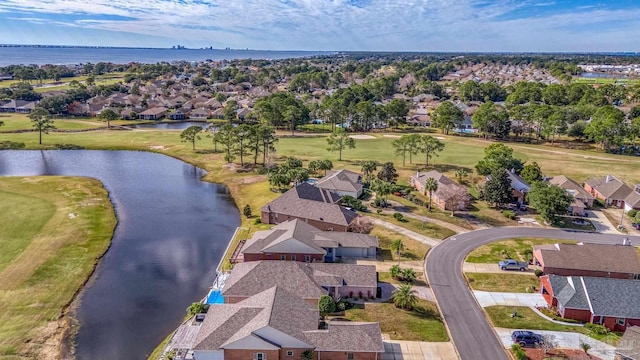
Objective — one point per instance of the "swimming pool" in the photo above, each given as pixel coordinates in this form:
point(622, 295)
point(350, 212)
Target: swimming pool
point(215, 297)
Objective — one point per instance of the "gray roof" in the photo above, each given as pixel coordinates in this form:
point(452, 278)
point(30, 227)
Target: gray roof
point(566, 183)
point(347, 337)
point(602, 296)
point(629, 346)
point(296, 236)
point(591, 257)
point(227, 323)
point(610, 187)
point(443, 183)
point(309, 202)
point(302, 279)
point(341, 180)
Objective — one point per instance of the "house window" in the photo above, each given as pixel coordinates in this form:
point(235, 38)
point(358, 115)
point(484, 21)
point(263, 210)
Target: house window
point(289, 353)
point(283, 257)
point(349, 356)
point(620, 321)
point(259, 356)
point(307, 258)
point(293, 258)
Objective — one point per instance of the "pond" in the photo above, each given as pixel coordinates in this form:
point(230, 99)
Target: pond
point(173, 229)
point(178, 125)
point(603, 76)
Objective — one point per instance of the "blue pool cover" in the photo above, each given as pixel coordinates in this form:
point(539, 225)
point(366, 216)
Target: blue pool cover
point(215, 297)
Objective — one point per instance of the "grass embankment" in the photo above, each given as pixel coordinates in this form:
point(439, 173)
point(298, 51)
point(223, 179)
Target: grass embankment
point(54, 230)
point(425, 228)
point(435, 213)
point(501, 282)
point(508, 249)
point(527, 319)
point(412, 250)
point(423, 323)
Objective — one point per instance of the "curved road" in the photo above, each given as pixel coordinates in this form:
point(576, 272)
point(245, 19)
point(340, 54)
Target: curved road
point(470, 331)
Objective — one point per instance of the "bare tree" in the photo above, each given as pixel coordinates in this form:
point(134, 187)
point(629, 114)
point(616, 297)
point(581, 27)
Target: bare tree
point(361, 225)
point(454, 195)
point(548, 343)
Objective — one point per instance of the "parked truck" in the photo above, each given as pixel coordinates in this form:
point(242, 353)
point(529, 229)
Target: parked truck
point(510, 264)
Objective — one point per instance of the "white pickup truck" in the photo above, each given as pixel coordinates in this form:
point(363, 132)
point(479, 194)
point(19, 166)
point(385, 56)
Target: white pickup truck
point(510, 264)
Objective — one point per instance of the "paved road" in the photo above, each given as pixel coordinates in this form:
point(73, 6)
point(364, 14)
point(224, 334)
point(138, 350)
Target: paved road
point(470, 331)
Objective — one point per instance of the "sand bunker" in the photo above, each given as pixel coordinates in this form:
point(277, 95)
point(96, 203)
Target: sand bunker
point(392, 136)
point(362, 137)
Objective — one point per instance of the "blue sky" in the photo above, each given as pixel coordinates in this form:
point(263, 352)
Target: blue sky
point(357, 25)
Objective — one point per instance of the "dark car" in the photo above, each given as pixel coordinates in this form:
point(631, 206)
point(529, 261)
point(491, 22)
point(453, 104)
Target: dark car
point(526, 338)
point(636, 226)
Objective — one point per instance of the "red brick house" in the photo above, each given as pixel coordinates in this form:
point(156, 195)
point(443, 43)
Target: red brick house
point(596, 260)
point(296, 240)
point(610, 302)
point(307, 281)
point(611, 190)
point(275, 324)
point(315, 206)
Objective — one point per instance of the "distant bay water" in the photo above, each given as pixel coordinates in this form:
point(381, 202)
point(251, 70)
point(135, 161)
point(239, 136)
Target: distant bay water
point(17, 55)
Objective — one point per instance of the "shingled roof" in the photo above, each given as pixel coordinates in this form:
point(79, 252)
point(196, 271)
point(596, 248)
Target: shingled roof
point(575, 189)
point(347, 337)
point(591, 257)
point(610, 186)
point(309, 202)
point(341, 180)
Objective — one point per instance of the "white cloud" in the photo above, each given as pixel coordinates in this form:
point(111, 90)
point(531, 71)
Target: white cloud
point(338, 24)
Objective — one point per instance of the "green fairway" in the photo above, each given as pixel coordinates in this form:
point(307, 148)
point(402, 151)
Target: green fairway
point(15, 122)
point(54, 231)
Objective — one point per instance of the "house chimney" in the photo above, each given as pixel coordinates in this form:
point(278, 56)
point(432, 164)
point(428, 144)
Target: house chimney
point(608, 179)
point(626, 242)
point(637, 188)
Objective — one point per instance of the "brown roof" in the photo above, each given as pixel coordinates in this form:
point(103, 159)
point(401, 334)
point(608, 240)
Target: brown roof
point(309, 202)
point(610, 187)
point(591, 257)
point(347, 337)
point(341, 180)
point(154, 111)
point(443, 183)
point(575, 189)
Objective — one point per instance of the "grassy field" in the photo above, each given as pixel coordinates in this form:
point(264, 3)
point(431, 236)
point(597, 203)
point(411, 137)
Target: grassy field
point(501, 282)
point(507, 249)
point(54, 231)
point(51, 84)
point(428, 229)
point(413, 250)
point(421, 324)
point(603, 81)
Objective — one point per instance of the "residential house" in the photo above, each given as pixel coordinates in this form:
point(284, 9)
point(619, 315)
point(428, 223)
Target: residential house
point(177, 114)
point(519, 186)
point(199, 114)
point(582, 199)
point(308, 281)
point(419, 120)
point(276, 324)
point(629, 346)
point(316, 206)
point(242, 113)
point(342, 182)
point(296, 240)
point(6, 76)
point(154, 113)
point(218, 114)
point(595, 260)
point(18, 106)
point(449, 195)
point(606, 301)
point(611, 190)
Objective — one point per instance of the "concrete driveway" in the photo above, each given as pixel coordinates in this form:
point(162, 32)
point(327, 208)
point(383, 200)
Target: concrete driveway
point(418, 350)
point(601, 223)
point(486, 298)
point(566, 340)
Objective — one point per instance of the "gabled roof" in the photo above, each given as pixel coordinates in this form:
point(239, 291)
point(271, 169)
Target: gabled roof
point(154, 111)
point(347, 337)
point(518, 183)
point(341, 180)
point(309, 202)
point(272, 308)
point(629, 346)
point(443, 183)
point(610, 186)
point(601, 296)
point(591, 257)
point(573, 187)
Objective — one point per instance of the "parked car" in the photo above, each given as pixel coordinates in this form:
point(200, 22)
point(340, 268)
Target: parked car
point(636, 226)
point(510, 264)
point(526, 338)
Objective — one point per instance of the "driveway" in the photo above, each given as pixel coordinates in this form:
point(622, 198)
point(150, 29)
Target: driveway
point(470, 332)
point(601, 223)
point(418, 350)
point(487, 298)
point(566, 340)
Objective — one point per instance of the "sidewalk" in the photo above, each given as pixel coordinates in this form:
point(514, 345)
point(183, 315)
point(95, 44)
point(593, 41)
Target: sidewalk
point(566, 340)
point(486, 298)
point(494, 269)
point(418, 350)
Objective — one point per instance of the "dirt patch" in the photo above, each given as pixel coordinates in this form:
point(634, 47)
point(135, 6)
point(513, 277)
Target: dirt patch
point(440, 138)
point(156, 147)
point(251, 179)
point(391, 136)
point(362, 137)
point(559, 354)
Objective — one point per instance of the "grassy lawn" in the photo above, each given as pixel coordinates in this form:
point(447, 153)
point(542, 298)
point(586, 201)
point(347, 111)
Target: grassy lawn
point(527, 319)
point(507, 249)
point(421, 324)
point(501, 282)
point(54, 231)
point(21, 122)
point(428, 229)
point(435, 212)
point(385, 276)
point(413, 250)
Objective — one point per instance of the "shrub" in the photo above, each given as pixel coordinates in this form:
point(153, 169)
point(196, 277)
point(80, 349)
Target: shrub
point(597, 329)
point(519, 352)
point(511, 215)
point(360, 294)
point(257, 221)
point(197, 308)
point(538, 272)
point(68, 147)
point(632, 213)
point(352, 202)
point(11, 145)
point(341, 306)
point(246, 211)
point(395, 271)
point(378, 211)
point(398, 217)
point(326, 305)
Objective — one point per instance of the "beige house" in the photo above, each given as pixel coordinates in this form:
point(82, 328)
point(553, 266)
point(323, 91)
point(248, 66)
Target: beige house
point(449, 195)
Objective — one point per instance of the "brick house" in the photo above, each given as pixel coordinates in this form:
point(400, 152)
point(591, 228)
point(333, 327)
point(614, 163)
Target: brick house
point(315, 206)
point(449, 195)
point(342, 182)
point(606, 301)
point(595, 260)
point(611, 190)
point(275, 324)
point(298, 241)
point(582, 199)
point(308, 281)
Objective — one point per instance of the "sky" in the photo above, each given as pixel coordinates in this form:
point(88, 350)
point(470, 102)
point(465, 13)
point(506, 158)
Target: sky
point(331, 25)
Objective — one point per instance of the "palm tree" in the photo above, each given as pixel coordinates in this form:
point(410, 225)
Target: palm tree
point(461, 173)
point(431, 185)
point(396, 247)
point(382, 188)
point(405, 297)
point(368, 168)
point(395, 271)
point(408, 275)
